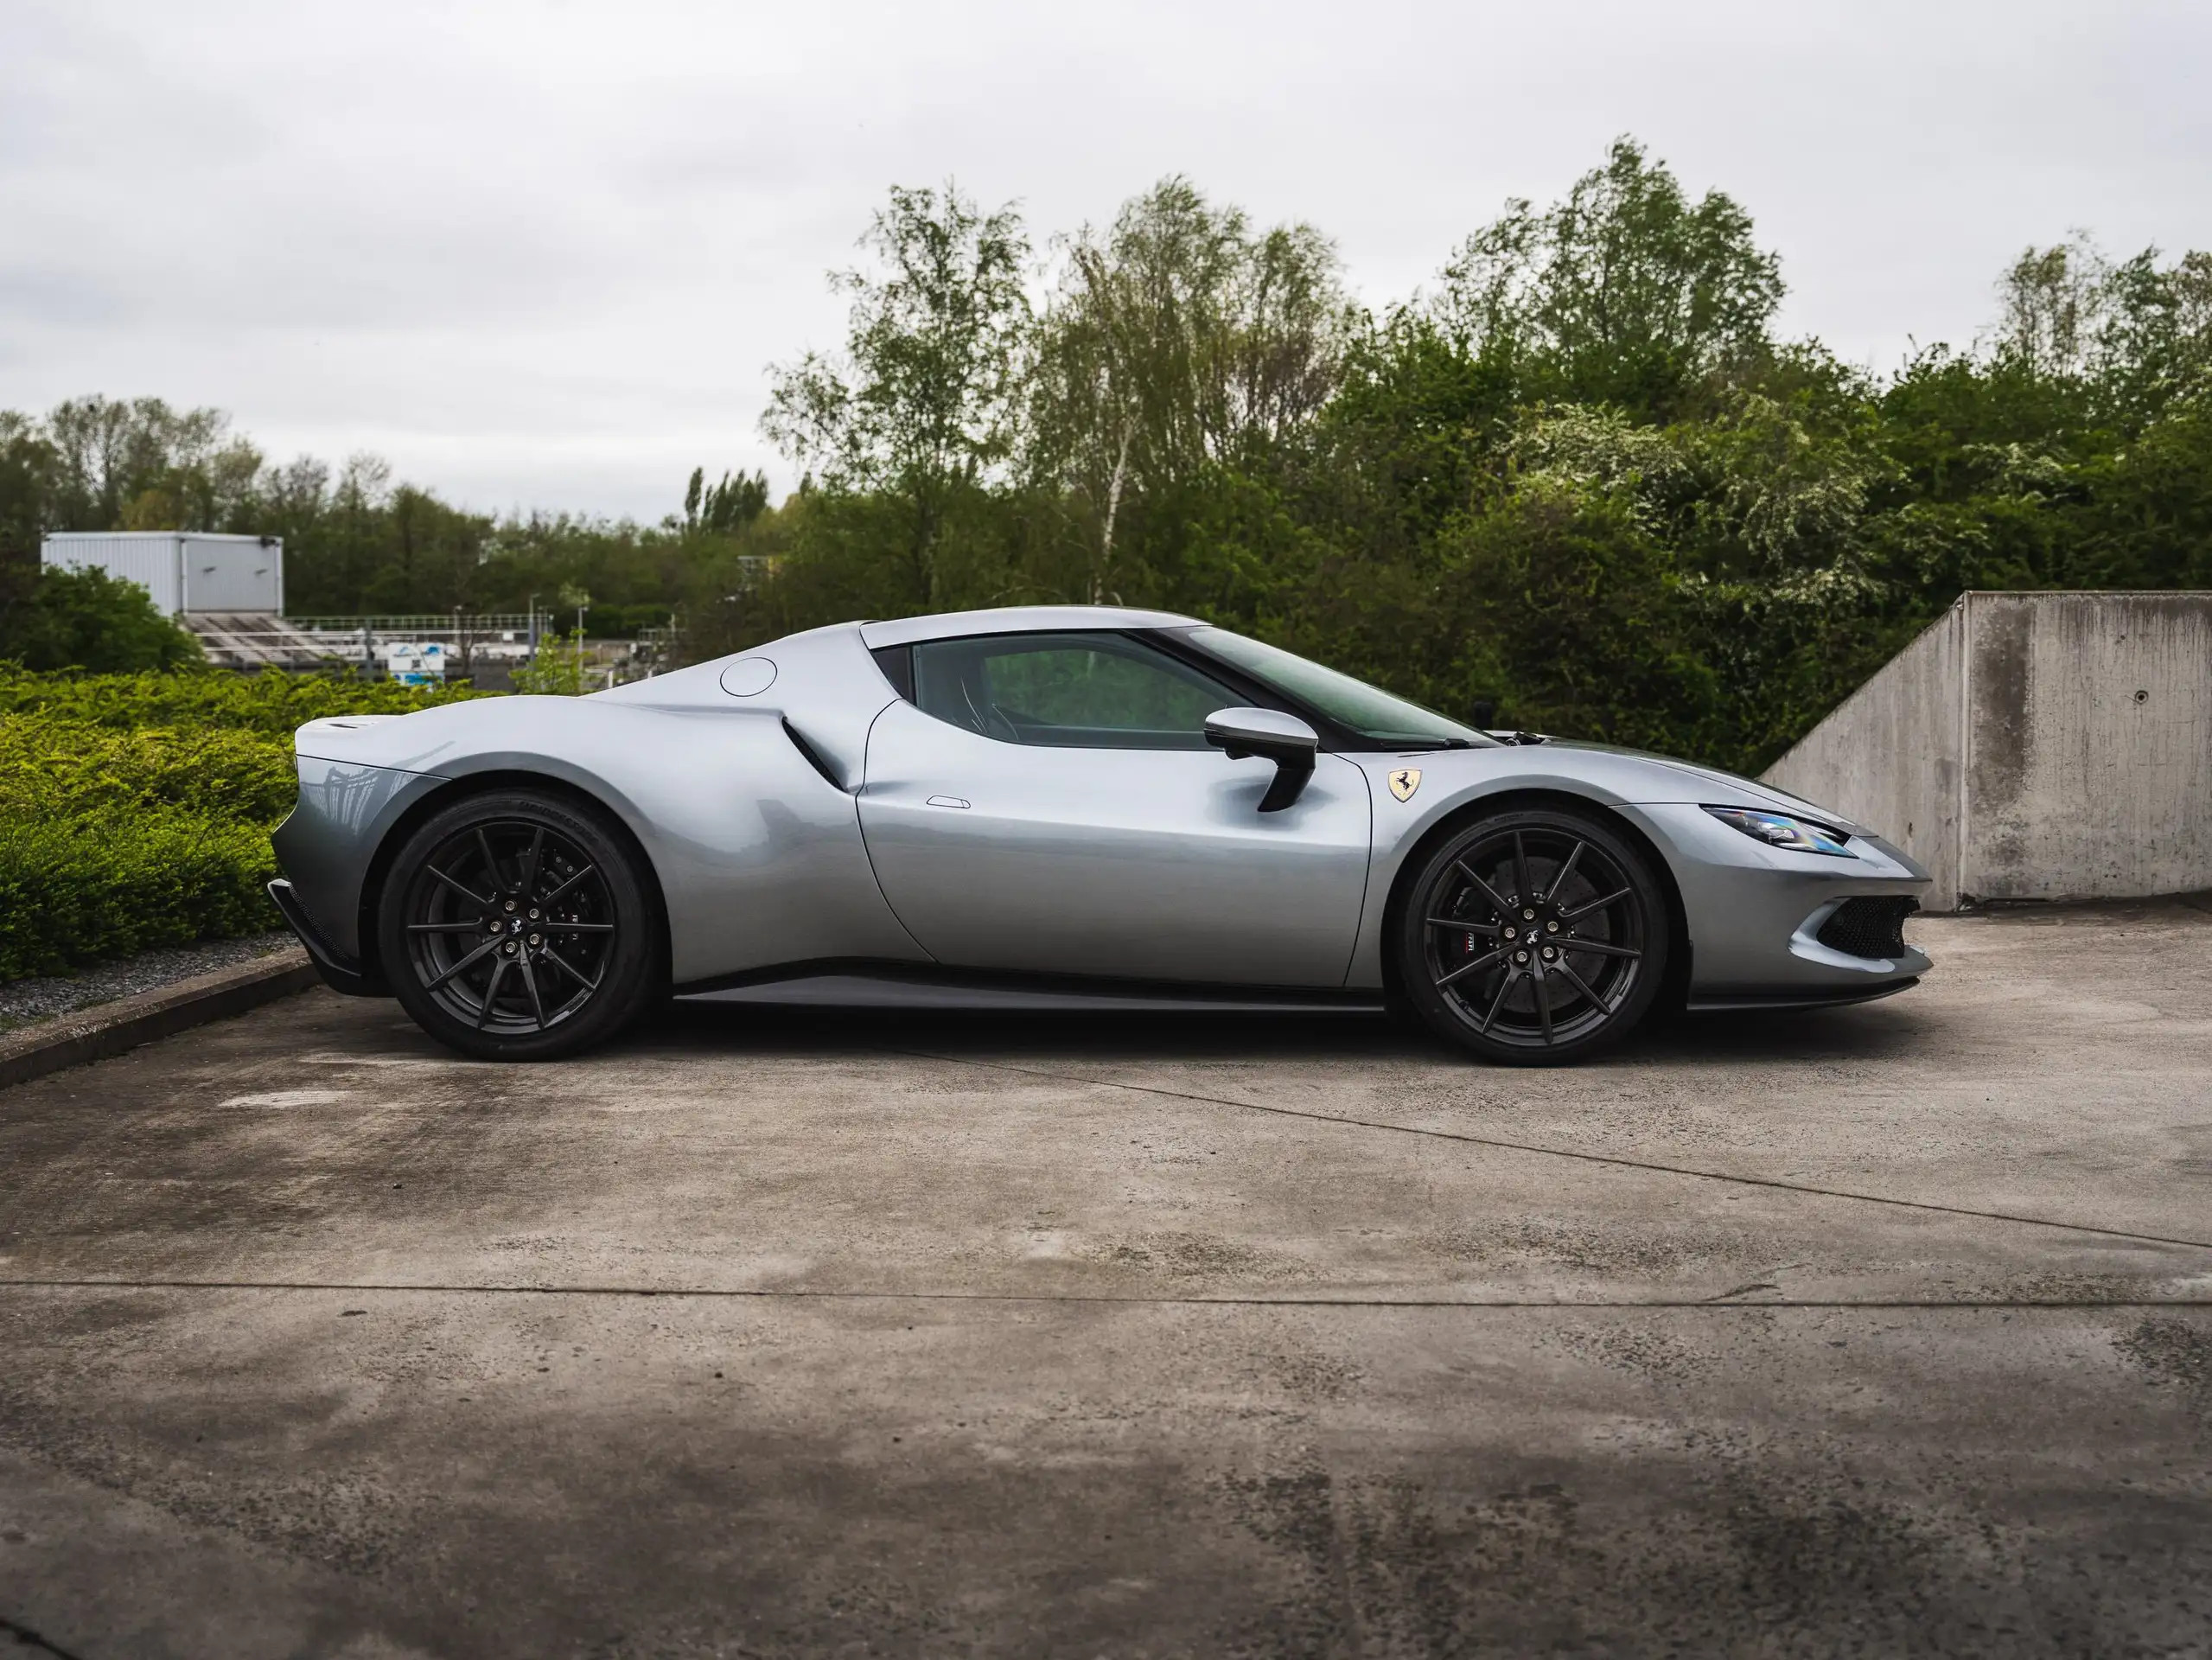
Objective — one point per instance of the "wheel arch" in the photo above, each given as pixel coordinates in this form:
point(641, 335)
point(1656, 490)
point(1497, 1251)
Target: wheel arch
point(1675, 985)
point(490, 781)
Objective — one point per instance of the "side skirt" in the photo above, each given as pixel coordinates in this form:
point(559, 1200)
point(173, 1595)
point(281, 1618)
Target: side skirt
point(909, 985)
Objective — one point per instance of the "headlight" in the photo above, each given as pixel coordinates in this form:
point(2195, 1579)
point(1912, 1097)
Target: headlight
point(1780, 830)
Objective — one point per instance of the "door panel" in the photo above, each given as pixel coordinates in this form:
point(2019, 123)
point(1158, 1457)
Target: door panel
point(1149, 863)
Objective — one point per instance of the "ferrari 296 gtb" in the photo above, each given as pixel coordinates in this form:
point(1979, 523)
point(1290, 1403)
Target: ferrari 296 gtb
point(1057, 807)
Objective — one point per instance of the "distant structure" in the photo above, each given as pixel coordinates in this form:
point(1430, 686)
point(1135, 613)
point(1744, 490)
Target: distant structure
point(2033, 746)
point(229, 591)
point(185, 570)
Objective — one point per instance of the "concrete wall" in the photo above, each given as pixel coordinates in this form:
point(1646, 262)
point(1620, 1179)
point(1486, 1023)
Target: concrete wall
point(1890, 755)
point(2034, 746)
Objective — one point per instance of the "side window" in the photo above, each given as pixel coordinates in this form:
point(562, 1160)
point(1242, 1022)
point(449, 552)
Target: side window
point(1067, 691)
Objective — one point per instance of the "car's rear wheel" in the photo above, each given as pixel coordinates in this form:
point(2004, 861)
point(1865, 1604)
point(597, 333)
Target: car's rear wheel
point(1534, 937)
point(516, 927)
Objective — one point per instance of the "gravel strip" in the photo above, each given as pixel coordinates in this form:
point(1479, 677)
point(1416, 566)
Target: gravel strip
point(23, 1001)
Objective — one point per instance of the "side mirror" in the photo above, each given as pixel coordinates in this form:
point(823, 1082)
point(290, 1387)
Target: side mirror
point(1273, 736)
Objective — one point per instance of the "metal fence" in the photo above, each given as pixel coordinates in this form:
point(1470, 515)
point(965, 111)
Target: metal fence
point(480, 645)
point(429, 623)
point(432, 646)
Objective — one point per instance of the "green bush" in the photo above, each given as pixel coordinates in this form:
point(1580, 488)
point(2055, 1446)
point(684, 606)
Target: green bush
point(134, 809)
point(56, 769)
point(557, 671)
point(108, 884)
point(271, 702)
point(88, 619)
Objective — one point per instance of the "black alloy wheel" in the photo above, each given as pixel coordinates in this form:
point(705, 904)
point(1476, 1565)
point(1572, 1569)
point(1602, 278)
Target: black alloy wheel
point(515, 927)
point(1534, 937)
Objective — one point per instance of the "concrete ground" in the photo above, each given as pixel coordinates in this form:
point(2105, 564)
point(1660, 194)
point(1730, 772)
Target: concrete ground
point(1884, 1331)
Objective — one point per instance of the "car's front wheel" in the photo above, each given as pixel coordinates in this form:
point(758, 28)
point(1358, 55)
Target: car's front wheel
point(1534, 937)
point(516, 927)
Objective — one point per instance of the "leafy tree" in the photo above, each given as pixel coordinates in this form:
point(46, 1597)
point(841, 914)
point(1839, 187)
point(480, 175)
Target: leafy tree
point(921, 406)
point(1625, 292)
point(2158, 342)
point(720, 510)
point(2128, 338)
point(28, 463)
point(138, 464)
point(2053, 304)
point(1178, 341)
point(2145, 516)
point(88, 620)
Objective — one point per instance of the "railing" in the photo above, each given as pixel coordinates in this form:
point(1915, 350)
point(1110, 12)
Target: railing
point(472, 643)
point(436, 624)
point(410, 648)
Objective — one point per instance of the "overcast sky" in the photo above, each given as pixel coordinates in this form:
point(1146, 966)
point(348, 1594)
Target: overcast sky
point(541, 254)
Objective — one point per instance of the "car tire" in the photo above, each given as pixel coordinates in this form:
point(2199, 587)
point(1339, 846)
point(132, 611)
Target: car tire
point(1534, 937)
point(519, 926)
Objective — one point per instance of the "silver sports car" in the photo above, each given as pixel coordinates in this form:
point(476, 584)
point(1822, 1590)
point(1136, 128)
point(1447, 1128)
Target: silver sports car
point(1057, 807)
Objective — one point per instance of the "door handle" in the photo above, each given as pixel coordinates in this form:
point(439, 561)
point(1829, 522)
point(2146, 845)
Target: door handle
point(947, 801)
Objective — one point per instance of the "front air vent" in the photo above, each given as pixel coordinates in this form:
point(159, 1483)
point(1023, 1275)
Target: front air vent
point(1869, 927)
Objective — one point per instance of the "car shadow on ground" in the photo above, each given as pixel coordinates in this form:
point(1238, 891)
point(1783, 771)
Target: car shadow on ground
point(1873, 1032)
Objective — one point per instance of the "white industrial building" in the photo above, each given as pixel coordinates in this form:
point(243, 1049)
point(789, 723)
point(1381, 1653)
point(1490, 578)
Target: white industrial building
point(228, 590)
point(2033, 746)
point(187, 572)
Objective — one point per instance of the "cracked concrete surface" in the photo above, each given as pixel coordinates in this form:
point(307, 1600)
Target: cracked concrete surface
point(1884, 1331)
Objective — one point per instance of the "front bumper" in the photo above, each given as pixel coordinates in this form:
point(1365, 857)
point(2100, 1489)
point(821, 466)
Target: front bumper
point(1756, 914)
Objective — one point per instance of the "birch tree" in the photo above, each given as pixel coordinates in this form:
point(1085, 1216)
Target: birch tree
point(921, 403)
point(1176, 340)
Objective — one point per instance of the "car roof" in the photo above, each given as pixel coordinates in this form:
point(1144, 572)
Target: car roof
point(1015, 619)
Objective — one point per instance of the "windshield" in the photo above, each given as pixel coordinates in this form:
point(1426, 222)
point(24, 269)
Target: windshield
point(1388, 720)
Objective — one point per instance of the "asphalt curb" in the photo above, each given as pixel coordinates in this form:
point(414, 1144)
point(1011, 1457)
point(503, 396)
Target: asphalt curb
point(96, 1033)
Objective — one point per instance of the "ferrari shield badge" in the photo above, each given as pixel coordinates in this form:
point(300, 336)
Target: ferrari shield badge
point(1405, 782)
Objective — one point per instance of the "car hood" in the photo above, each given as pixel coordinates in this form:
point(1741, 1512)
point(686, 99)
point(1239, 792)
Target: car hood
point(1640, 776)
point(1782, 799)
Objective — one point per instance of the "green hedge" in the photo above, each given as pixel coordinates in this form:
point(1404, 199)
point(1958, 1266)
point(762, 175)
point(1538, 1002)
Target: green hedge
point(134, 809)
point(57, 769)
point(105, 884)
point(271, 702)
